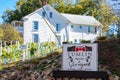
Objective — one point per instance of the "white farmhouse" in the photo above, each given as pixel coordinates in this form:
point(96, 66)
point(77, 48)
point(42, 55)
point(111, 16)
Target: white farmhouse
point(45, 24)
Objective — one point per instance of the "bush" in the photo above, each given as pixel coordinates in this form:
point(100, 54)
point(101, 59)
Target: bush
point(101, 38)
point(33, 48)
point(85, 41)
point(102, 60)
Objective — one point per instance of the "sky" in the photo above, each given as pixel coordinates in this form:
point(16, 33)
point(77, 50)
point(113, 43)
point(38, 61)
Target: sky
point(5, 4)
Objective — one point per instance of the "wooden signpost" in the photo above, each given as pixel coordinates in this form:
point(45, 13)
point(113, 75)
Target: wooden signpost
point(80, 61)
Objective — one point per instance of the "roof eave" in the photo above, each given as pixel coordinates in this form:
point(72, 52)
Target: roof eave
point(87, 24)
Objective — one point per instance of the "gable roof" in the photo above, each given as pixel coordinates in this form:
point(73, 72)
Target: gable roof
point(82, 20)
point(43, 8)
point(72, 18)
point(27, 16)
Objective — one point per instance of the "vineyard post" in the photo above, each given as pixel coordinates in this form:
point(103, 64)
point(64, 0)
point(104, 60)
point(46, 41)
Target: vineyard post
point(11, 45)
point(23, 55)
point(0, 47)
point(28, 55)
point(5, 61)
point(48, 46)
point(38, 47)
point(28, 52)
point(5, 44)
point(18, 44)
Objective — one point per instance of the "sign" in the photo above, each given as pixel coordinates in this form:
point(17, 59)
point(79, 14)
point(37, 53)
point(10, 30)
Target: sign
point(23, 47)
point(82, 57)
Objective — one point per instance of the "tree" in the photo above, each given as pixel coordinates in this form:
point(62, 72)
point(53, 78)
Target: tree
point(96, 8)
point(10, 33)
point(6, 15)
point(1, 33)
point(24, 7)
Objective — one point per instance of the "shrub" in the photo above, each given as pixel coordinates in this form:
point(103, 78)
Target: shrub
point(33, 48)
point(102, 60)
point(85, 41)
point(101, 38)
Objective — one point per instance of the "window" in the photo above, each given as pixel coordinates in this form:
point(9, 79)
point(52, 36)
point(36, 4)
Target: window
point(95, 29)
point(35, 25)
point(89, 29)
point(43, 13)
point(71, 26)
point(75, 40)
point(80, 27)
point(51, 15)
point(35, 37)
point(57, 27)
point(59, 39)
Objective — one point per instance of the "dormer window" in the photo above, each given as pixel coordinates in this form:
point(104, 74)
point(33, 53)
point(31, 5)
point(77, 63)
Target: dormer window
point(43, 13)
point(51, 15)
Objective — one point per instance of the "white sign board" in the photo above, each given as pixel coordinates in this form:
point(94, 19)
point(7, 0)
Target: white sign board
point(23, 47)
point(82, 57)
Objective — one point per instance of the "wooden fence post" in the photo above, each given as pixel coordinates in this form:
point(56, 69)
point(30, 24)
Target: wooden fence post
point(18, 44)
point(5, 61)
point(0, 47)
point(5, 44)
point(28, 55)
point(41, 50)
point(23, 57)
point(14, 51)
point(11, 45)
point(38, 53)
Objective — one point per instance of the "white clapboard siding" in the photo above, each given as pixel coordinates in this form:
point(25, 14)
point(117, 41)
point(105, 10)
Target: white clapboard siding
point(44, 31)
point(65, 21)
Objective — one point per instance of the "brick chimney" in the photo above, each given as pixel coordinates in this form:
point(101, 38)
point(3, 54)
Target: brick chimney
point(44, 2)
